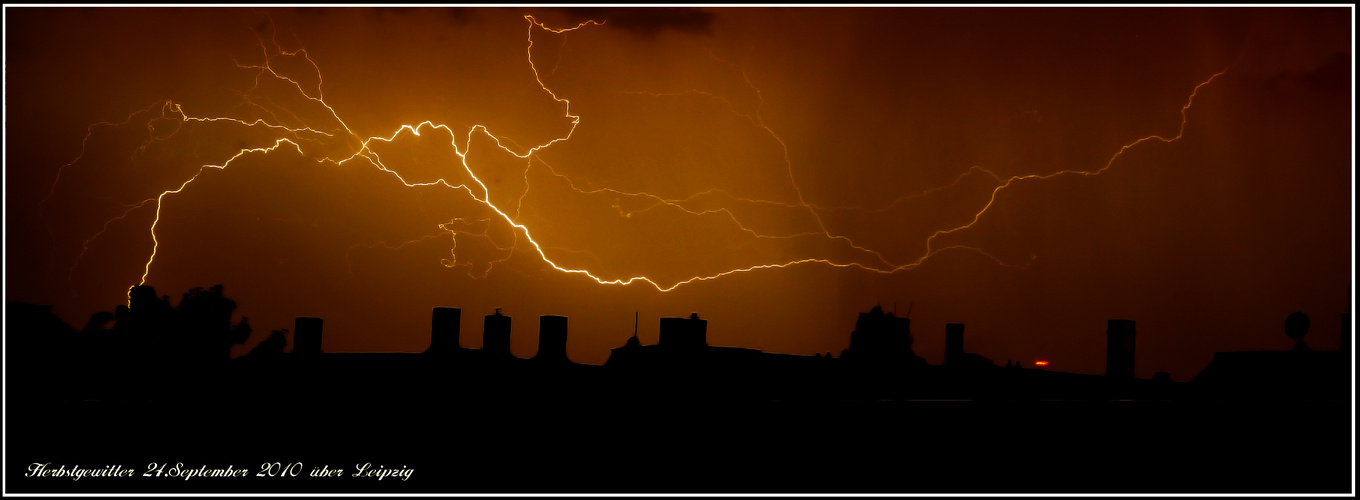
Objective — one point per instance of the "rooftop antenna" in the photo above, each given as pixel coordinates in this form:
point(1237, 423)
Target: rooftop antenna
point(635, 323)
point(909, 306)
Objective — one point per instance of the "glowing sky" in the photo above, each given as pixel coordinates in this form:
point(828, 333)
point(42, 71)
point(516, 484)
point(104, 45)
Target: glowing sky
point(846, 157)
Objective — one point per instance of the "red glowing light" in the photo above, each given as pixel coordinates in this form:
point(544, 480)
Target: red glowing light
point(1040, 362)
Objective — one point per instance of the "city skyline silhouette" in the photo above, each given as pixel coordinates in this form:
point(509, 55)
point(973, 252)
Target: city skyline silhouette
point(677, 383)
point(681, 249)
point(198, 330)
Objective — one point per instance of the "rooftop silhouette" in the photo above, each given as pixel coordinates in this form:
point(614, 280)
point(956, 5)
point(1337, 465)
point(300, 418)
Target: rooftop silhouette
point(485, 420)
point(879, 362)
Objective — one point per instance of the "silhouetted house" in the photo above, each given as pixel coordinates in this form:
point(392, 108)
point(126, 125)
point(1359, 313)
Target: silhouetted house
point(1299, 373)
point(682, 364)
point(683, 346)
point(882, 339)
point(1292, 374)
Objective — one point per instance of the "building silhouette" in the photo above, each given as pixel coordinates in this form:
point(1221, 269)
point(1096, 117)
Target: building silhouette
point(677, 416)
point(879, 363)
point(1298, 373)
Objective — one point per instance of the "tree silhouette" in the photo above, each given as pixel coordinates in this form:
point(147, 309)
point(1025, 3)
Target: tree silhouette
point(199, 329)
point(203, 324)
point(271, 346)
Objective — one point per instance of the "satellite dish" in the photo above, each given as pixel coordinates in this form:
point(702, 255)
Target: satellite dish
point(1296, 326)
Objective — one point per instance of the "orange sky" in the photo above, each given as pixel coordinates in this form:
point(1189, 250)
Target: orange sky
point(708, 140)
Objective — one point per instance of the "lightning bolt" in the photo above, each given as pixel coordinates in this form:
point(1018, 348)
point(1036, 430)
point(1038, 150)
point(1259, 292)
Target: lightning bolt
point(1180, 132)
point(160, 200)
point(349, 252)
point(337, 144)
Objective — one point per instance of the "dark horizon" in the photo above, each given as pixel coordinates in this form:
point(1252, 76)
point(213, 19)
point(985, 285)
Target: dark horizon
point(821, 419)
point(155, 331)
point(103, 320)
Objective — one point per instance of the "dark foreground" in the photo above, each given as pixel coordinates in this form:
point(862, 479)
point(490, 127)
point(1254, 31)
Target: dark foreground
point(806, 447)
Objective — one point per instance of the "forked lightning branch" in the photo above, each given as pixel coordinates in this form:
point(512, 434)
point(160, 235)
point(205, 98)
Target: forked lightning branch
point(318, 136)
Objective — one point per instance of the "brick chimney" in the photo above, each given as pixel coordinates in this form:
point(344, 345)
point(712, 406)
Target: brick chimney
point(552, 338)
point(496, 335)
point(445, 325)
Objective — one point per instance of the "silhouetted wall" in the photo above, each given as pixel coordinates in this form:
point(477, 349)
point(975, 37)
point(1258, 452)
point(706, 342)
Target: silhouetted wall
point(496, 335)
point(552, 338)
point(684, 332)
point(307, 336)
point(953, 343)
point(445, 326)
point(1119, 348)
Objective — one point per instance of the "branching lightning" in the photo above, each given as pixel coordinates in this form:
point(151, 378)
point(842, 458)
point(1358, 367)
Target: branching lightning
point(358, 148)
point(1179, 133)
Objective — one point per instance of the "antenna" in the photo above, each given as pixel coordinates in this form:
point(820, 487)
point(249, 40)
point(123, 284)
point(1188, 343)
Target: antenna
point(635, 323)
point(913, 304)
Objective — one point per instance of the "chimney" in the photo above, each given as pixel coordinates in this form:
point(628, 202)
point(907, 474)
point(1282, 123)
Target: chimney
point(684, 332)
point(552, 338)
point(1119, 349)
point(307, 336)
point(444, 330)
point(496, 335)
point(953, 343)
